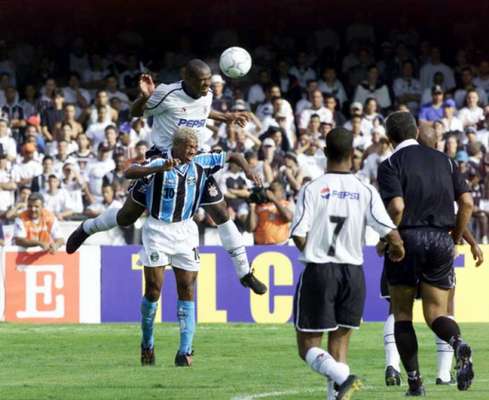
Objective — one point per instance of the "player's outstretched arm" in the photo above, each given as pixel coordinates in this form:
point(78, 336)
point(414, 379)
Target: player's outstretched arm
point(137, 171)
point(241, 161)
point(239, 118)
point(146, 88)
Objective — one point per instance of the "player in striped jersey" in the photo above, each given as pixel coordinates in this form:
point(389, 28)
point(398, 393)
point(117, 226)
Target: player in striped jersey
point(170, 236)
point(181, 104)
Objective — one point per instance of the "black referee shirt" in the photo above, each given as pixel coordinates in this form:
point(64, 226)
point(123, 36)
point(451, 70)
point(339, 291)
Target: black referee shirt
point(427, 180)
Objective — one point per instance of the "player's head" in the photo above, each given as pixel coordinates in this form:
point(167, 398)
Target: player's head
point(339, 145)
point(197, 77)
point(401, 126)
point(35, 202)
point(185, 144)
point(427, 136)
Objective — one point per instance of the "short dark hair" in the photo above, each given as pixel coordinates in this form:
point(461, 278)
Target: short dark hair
point(339, 144)
point(401, 125)
point(47, 158)
point(35, 196)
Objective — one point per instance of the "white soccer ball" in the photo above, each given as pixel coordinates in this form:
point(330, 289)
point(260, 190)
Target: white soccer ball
point(235, 62)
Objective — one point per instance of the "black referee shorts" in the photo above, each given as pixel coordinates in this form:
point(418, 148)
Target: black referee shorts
point(429, 258)
point(329, 296)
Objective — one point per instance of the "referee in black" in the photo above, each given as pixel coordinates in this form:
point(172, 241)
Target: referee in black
point(419, 186)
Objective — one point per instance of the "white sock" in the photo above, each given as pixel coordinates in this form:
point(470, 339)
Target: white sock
point(444, 357)
point(392, 357)
point(323, 363)
point(331, 390)
point(232, 241)
point(105, 221)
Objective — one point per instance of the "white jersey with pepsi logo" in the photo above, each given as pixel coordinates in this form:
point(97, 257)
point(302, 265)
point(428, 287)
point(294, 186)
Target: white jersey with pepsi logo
point(172, 108)
point(333, 212)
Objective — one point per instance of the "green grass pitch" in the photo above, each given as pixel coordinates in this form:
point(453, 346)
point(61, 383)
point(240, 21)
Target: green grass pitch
point(235, 361)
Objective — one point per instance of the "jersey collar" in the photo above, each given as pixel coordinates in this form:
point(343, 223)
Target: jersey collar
point(182, 168)
point(405, 143)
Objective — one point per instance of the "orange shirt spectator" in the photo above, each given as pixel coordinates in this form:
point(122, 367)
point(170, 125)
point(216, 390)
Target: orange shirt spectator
point(37, 226)
point(270, 221)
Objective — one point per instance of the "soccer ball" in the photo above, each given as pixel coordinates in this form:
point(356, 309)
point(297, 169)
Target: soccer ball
point(235, 62)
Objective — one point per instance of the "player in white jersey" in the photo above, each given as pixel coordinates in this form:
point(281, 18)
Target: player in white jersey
point(331, 215)
point(182, 104)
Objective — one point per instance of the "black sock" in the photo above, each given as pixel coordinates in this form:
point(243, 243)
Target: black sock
point(407, 345)
point(446, 329)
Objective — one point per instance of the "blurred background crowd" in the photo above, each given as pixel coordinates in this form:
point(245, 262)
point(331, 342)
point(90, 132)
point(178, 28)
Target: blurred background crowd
point(66, 129)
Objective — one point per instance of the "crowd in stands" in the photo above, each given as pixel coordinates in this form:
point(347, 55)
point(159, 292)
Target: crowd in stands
point(67, 133)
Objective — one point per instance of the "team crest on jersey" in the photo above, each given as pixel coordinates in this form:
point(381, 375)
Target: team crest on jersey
point(191, 180)
point(213, 190)
point(154, 256)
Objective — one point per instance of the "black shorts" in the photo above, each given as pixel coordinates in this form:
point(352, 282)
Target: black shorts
point(212, 194)
point(329, 296)
point(429, 258)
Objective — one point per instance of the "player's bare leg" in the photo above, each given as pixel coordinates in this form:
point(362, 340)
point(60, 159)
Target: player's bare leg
point(186, 315)
point(324, 363)
point(435, 306)
point(232, 241)
point(402, 300)
point(110, 218)
point(153, 278)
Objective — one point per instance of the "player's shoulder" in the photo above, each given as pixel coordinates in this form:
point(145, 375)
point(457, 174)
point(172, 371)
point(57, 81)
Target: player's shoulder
point(167, 88)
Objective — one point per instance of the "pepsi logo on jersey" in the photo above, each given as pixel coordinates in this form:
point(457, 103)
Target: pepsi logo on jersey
point(326, 193)
point(191, 123)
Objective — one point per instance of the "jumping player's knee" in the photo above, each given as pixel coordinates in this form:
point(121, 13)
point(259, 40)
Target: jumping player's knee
point(185, 290)
point(152, 293)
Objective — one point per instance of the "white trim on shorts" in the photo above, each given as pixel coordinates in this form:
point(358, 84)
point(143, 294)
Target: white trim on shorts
point(214, 202)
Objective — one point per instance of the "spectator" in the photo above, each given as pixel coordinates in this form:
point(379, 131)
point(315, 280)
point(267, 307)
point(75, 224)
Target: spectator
point(69, 117)
point(112, 89)
point(311, 159)
point(29, 102)
point(270, 221)
point(289, 85)
point(13, 111)
point(290, 175)
point(75, 95)
point(91, 114)
point(96, 131)
point(256, 93)
point(7, 186)
point(432, 111)
point(372, 117)
point(139, 131)
point(317, 107)
point(57, 200)
point(7, 143)
point(234, 185)
point(482, 79)
point(471, 115)
point(40, 182)
point(37, 226)
point(116, 178)
point(407, 89)
point(305, 102)
point(107, 200)
point(96, 170)
point(258, 167)
point(451, 149)
point(84, 155)
point(20, 204)
point(301, 70)
point(62, 155)
point(23, 173)
point(435, 64)
point(479, 214)
point(331, 104)
point(47, 95)
point(467, 83)
point(372, 87)
point(74, 185)
point(450, 122)
point(330, 85)
point(372, 162)
point(51, 118)
point(220, 101)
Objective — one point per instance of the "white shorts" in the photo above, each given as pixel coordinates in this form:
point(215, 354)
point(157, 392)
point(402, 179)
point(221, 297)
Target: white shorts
point(174, 244)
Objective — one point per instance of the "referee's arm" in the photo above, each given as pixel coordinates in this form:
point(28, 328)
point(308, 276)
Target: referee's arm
point(464, 201)
point(391, 191)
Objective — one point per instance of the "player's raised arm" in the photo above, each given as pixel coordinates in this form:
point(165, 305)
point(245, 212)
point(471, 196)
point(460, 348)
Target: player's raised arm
point(241, 161)
point(146, 88)
point(137, 171)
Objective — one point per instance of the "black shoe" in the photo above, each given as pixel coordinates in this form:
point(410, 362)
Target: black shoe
point(183, 360)
point(416, 387)
point(349, 387)
point(465, 372)
point(392, 376)
point(252, 282)
point(147, 356)
point(439, 381)
point(76, 239)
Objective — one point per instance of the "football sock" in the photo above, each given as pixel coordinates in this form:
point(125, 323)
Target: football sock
point(331, 390)
point(407, 345)
point(186, 317)
point(148, 312)
point(392, 357)
point(447, 330)
point(323, 363)
point(105, 221)
point(232, 241)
